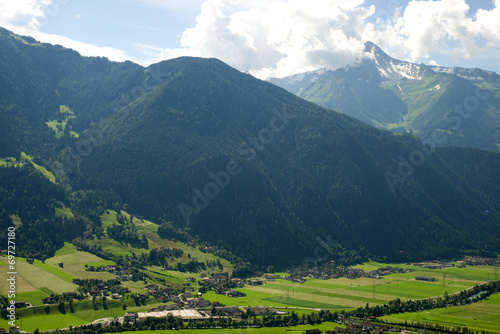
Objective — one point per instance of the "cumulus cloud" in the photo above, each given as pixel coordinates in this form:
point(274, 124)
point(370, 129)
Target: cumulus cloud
point(282, 37)
point(31, 14)
point(446, 26)
point(277, 38)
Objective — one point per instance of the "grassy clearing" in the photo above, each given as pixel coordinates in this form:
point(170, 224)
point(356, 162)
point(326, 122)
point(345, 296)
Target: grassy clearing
point(55, 271)
point(102, 263)
point(16, 220)
point(303, 303)
point(41, 169)
point(484, 315)
point(22, 285)
point(32, 277)
point(60, 127)
point(74, 263)
point(9, 162)
point(48, 291)
point(33, 297)
point(63, 212)
point(65, 110)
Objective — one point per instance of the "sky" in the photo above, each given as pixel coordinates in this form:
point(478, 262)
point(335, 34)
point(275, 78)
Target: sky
point(266, 38)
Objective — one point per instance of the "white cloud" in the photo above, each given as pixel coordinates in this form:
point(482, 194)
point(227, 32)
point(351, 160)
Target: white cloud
point(28, 13)
point(83, 48)
point(282, 37)
point(277, 38)
point(27, 17)
point(445, 26)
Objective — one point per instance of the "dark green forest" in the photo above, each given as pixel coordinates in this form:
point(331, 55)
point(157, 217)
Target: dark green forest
point(215, 154)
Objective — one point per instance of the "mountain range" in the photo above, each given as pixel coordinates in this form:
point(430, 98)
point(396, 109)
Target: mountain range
point(458, 104)
point(236, 161)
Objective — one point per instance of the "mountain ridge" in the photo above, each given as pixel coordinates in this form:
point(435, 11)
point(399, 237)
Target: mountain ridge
point(403, 96)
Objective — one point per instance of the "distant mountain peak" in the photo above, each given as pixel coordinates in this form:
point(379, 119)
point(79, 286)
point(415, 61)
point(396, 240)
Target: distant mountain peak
point(374, 49)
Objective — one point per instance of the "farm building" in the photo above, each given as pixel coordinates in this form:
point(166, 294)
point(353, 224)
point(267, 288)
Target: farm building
point(425, 278)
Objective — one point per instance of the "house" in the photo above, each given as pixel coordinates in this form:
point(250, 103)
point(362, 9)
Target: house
point(313, 331)
point(237, 282)
point(14, 330)
point(21, 304)
point(190, 279)
point(261, 310)
point(234, 293)
point(367, 326)
point(233, 312)
point(72, 295)
point(60, 264)
point(255, 282)
point(95, 293)
point(48, 301)
point(130, 317)
point(425, 278)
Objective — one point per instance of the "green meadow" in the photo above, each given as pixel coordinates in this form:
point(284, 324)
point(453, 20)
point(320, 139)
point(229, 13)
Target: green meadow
point(484, 315)
point(11, 162)
point(60, 127)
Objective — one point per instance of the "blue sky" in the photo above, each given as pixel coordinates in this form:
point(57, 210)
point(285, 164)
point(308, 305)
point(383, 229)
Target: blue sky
point(266, 38)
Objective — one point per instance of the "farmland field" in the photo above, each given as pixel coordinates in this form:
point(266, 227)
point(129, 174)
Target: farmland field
point(484, 315)
point(74, 262)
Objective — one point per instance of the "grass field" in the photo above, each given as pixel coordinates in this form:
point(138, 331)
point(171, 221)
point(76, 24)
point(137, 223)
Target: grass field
point(32, 277)
point(42, 169)
point(484, 315)
point(59, 127)
point(11, 162)
point(63, 212)
point(74, 263)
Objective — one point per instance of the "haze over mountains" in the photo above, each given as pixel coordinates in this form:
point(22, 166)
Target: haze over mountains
point(247, 165)
point(463, 105)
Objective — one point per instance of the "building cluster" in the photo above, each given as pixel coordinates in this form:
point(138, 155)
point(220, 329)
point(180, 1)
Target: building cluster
point(355, 327)
point(378, 273)
point(122, 273)
point(481, 261)
point(434, 265)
